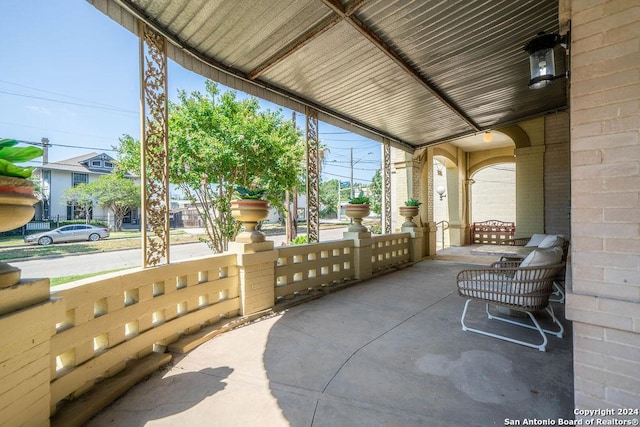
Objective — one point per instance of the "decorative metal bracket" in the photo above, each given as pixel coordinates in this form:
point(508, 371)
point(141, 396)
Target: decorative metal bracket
point(313, 176)
point(154, 147)
point(386, 179)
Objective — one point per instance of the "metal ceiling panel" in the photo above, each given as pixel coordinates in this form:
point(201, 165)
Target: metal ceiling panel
point(472, 51)
point(415, 71)
point(342, 71)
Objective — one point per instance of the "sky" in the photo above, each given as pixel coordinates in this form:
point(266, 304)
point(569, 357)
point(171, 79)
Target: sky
point(71, 74)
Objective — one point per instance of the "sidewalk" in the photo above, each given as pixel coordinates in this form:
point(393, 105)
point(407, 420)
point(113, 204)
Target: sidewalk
point(387, 352)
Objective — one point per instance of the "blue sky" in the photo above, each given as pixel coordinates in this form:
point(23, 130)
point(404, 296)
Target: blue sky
point(69, 73)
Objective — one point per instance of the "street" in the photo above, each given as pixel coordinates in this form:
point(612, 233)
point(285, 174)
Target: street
point(108, 261)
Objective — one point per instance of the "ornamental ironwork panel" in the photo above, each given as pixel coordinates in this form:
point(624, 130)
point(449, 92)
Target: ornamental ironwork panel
point(386, 178)
point(154, 147)
point(313, 176)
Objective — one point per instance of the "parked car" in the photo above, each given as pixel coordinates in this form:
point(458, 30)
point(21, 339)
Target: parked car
point(68, 233)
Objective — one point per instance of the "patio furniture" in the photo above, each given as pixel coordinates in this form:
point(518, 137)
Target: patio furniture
point(546, 241)
point(493, 231)
point(523, 287)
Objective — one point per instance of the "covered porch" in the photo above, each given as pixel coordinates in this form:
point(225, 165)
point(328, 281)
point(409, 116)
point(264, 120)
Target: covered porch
point(388, 351)
point(419, 100)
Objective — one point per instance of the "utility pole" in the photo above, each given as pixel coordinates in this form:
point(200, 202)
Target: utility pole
point(352, 196)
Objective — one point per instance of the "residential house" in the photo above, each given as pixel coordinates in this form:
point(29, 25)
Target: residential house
point(58, 176)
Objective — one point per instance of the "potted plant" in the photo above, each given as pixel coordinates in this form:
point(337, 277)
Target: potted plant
point(409, 210)
point(358, 208)
point(16, 196)
point(250, 208)
point(16, 189)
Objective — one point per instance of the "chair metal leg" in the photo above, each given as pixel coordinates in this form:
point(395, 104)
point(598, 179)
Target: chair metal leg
point(549, 310)
point(558, 292)
point(541, 347)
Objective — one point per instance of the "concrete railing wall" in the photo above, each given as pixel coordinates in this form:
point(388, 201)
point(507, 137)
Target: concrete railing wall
point(91, 330)
point(102, 323)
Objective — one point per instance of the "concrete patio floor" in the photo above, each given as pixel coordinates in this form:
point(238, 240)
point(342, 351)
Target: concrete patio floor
point(386, 352)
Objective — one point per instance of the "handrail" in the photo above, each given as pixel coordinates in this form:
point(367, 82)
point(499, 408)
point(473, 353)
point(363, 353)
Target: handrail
point(445, 226)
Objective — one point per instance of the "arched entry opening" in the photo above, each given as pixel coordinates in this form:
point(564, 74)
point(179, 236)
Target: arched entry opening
point(493, 195)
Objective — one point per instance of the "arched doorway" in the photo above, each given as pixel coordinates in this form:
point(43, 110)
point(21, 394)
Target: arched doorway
point(494, 193)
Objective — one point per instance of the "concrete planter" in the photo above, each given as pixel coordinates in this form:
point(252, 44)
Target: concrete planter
point(408, 212)
point(16, 209)
point(249, 212)
point(357, 212)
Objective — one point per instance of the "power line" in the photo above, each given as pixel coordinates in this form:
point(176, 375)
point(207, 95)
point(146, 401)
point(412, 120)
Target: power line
point(98, 107)
point(58, 131)
point(66, 146)
point(59, 94)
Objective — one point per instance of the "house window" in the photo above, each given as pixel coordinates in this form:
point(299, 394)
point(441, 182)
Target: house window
point(96, 163)
point(80, 178)
point(108, 165)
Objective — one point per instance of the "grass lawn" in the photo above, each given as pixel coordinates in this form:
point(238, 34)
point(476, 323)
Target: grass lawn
point(117, 242)
point(55, 281)
point(13, 248)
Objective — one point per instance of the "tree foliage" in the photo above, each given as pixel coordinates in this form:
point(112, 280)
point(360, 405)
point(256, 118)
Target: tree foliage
point(113, 192)
point(116, 193)
point(80, 196)
point(375, 189)
point(217, 142)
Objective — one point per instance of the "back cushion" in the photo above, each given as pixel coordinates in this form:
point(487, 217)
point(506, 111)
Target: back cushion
point(535, 240)
point(551, 241)
point(543, 257)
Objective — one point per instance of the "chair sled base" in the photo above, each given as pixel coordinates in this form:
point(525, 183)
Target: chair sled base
point(536, 326)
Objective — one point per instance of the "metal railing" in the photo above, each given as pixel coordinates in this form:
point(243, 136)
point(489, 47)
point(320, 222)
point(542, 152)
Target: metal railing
point(445, 226)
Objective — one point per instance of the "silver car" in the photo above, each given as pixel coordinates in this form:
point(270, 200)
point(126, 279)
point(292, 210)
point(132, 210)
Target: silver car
point(68, 233)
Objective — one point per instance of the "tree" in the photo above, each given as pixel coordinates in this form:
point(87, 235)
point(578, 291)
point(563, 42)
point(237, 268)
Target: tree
point(375, 189)
point(217, 142)
point(116, 193)
point(81, 197)
point(329, 198)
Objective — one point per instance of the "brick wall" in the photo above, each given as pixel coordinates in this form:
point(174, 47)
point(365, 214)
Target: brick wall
point(604, 301)
point(557, 177)
point(529, 190)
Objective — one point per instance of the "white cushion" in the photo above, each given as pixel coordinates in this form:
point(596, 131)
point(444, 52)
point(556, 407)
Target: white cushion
point(551, 241)
point(535, 240)
point(543, 257)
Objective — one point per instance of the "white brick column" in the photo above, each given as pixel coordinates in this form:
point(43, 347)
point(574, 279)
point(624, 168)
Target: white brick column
point(603, 300)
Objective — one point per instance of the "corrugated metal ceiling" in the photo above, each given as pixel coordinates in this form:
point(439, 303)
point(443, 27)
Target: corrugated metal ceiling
point(416, 71)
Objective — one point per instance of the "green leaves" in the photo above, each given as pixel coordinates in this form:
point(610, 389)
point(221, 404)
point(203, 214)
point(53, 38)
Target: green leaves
point(245, 193)
point(10, 154)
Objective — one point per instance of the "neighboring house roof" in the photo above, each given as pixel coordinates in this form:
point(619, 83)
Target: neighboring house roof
point(95, 163)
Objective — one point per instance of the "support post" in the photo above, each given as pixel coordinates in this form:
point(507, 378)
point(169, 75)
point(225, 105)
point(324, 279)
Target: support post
point(416, 242)
point(362, 253)
point(257, 269)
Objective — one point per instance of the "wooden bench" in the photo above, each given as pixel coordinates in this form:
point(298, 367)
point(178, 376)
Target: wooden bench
point(493, 232)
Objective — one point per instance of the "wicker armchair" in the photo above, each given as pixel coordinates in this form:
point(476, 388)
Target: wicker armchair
point(506, 284)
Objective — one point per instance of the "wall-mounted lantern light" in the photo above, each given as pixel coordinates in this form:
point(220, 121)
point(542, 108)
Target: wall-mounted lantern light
point(541, 59)
point(440, 190)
